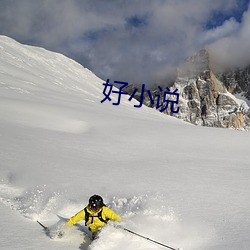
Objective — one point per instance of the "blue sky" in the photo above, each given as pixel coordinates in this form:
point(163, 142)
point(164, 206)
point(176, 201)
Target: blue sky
point(218, 17)
point(138, 41)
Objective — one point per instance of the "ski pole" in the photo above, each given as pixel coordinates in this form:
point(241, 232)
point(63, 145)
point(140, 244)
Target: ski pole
point(45, 228)
point(146, 238)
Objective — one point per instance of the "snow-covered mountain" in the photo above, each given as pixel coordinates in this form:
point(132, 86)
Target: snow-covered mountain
point(208, 97)
point(205, 100)
point(237, 82)
point(182, 185)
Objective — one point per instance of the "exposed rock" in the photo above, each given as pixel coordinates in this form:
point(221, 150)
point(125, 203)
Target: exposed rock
point(237, 81)
point(206, 98)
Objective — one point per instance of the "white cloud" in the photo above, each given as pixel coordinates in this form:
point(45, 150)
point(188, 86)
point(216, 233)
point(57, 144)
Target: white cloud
point(233, 50)
point(97, 33)
point(228, 28)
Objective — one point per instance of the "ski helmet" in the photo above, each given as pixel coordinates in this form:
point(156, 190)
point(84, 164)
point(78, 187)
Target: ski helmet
point(95, 202)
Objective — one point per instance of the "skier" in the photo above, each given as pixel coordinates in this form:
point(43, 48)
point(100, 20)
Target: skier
point(95, 214)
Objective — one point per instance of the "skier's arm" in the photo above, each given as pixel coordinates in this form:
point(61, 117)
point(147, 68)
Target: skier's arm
point(110, 214)
point(77, 217)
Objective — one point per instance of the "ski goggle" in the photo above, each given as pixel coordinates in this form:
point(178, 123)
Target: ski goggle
point(94, 208)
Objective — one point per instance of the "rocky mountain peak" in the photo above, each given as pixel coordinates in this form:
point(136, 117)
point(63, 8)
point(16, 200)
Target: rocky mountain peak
point(197, 64)
point(237, 81)
point(205, 97)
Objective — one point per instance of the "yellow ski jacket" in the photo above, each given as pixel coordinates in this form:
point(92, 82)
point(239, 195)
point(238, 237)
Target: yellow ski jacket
point(94, 223)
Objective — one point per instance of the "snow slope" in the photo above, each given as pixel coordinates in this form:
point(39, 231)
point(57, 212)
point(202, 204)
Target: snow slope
point(176, 183)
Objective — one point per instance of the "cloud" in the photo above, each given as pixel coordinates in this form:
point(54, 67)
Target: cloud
point(233, 49)
point(135, 41)
point(228, 28)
